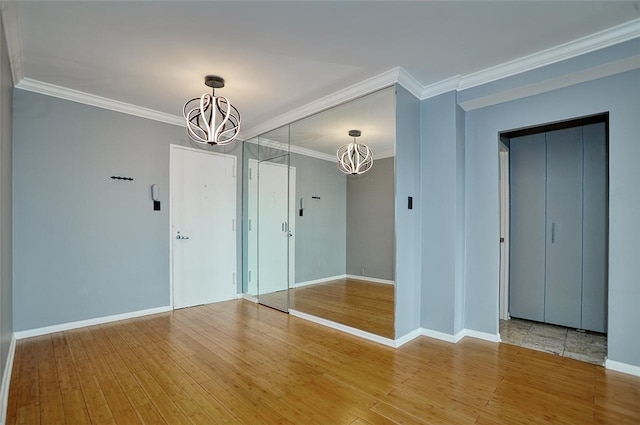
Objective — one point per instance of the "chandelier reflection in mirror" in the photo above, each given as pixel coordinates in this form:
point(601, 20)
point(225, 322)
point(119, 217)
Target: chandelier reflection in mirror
point(354, 158)
point(210, 119)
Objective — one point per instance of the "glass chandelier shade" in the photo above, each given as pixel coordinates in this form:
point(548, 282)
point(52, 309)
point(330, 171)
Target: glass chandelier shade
point(212, 119)
point(354, 158)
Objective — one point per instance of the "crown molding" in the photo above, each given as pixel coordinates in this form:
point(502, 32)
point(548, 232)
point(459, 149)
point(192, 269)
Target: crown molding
point(313, 154)
point(566, 80)
point(362, 88)
point(291, 148)
point(97, 101)
point(309, 152)
point(618, 34)
point(11, 22)
point(407, 81)
point(435, 89)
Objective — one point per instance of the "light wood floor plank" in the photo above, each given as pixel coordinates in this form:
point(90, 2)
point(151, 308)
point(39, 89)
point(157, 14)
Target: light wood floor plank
point(241, 363)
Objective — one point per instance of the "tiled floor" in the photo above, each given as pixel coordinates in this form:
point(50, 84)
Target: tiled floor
point(585, 346)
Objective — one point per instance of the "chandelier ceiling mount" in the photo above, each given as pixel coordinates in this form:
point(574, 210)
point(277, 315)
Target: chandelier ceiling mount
point(212, 119)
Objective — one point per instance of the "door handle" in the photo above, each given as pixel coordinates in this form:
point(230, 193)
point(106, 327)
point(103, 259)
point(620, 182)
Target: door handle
point(180, 237)
point(553, 232)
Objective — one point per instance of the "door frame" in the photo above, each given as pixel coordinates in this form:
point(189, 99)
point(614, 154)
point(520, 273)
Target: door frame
point(504, 231)
point(172, 148)
point(503, 141)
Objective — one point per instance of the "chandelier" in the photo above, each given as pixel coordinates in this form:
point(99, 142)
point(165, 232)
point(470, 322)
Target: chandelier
point(354, 158)
point(210, 119)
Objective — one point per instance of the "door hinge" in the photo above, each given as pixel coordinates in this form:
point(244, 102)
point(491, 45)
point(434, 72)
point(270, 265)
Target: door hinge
point(249, 224)
point(233, 224)
point(250, 174)
point(249, 276)
point(233, 279)
point(233, 171)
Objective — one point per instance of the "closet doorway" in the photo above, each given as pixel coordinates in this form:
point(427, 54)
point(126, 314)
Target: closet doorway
point(557, 237)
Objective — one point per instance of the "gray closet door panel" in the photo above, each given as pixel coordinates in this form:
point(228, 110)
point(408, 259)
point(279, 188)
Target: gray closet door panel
point(527, 160)
point(594, 242)
point(563, 290)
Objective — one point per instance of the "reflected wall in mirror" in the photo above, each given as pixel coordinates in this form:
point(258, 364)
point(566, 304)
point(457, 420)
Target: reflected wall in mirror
point(339, 229)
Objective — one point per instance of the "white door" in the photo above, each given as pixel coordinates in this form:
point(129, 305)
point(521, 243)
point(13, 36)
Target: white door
point(274, 234)
point(203, 228)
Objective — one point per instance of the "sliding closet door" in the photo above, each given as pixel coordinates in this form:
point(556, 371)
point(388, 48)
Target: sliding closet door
point(563, 290)
point(527, 161)
point(594, 243)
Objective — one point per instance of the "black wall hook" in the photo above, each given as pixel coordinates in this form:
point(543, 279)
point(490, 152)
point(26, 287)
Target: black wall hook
point(122, 178)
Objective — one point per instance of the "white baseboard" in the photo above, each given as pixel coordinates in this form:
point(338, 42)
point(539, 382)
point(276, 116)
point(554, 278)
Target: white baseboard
point(459, 335)
point(343, 276)
point(408, 337)
point(369, 279)
point(441, 335)
point(6, 380)
point(622, 367)
point(398, 342)
point(89, 322)
point(482, 335)
point(321, 280)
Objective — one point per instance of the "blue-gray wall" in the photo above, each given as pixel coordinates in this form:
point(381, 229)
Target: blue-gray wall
point(370, 221)
point(408, 252)
point(442, 161)
point(620, 96)
point(6, 226)
point(321, 233)
point(87, 246)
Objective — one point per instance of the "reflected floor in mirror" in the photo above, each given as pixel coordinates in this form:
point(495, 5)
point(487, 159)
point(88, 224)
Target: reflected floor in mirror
point(277, 300)
point(360, 304)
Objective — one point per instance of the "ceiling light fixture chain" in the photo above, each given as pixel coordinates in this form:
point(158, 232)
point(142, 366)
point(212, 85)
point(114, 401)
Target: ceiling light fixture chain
point(212, 120)
point(354, 158)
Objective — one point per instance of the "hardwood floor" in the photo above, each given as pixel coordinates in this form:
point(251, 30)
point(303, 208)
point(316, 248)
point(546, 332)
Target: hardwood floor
point(241, 363)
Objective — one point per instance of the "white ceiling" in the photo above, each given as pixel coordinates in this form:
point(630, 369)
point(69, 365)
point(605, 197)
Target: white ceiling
point(278, 56)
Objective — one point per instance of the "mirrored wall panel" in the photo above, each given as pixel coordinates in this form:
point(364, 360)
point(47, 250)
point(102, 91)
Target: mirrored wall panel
point(334, 232)
point(268, 232)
